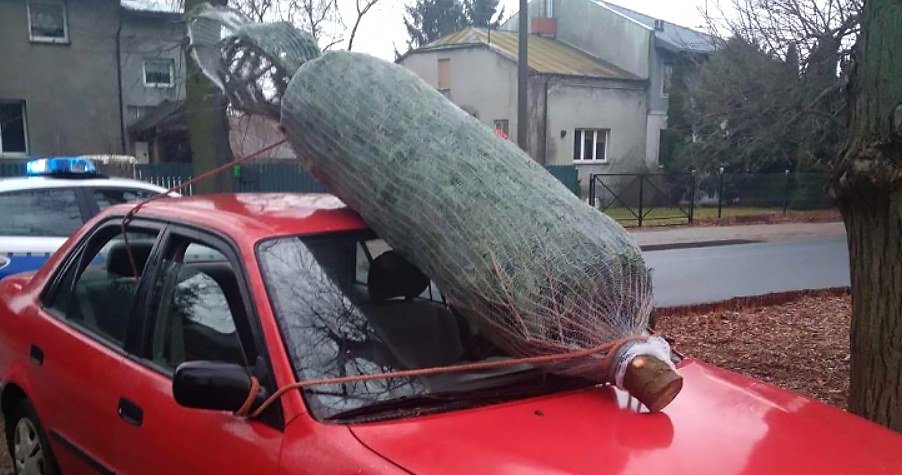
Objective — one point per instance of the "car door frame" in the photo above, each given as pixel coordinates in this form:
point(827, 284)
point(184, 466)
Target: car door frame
point(141, 347)
point(151, 440)
point(73, 262)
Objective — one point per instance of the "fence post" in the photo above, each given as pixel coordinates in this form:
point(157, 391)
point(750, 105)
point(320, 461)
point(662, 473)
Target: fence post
point(720, 194)
point(641, 197)
point(592, 190)
point(692, 196)
point(786, 192)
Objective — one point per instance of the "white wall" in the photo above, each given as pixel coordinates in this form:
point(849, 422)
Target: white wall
point(481, 80)
point(619, 107)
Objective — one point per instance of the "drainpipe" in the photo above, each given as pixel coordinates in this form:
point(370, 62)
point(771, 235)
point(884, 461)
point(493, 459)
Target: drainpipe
point(122, 132)
point(545, 126)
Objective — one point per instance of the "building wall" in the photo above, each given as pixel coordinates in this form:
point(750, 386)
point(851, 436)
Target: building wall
point(618, 106)
point(71, 91)
point(150, 36)
point(481, 81)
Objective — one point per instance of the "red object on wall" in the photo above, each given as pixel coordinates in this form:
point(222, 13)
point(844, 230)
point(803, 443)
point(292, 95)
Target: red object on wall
point(543, 26)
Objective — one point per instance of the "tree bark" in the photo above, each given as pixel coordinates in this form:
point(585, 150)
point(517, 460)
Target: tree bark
point(866, 186)
point(208, 126)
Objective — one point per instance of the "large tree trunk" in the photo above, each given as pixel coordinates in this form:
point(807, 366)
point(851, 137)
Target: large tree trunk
point(208, 126)
point(866, 185)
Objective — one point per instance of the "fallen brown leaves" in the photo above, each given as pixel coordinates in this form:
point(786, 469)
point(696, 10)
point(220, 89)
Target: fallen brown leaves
point(801, 344)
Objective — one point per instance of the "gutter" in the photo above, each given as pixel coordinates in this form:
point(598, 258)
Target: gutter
point(119, 84)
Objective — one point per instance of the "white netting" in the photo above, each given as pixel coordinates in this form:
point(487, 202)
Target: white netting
point(518, 254)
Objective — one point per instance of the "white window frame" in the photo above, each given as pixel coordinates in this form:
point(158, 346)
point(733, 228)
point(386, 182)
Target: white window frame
point(582, 144)
point(170, 62)
point(664, 67)
point(24, 128)
point(49, 39)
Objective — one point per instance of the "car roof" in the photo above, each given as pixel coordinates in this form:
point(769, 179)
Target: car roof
point(253, 216)
point(39, 182)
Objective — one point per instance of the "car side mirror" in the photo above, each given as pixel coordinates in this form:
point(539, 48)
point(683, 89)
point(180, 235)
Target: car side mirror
point(211, 385)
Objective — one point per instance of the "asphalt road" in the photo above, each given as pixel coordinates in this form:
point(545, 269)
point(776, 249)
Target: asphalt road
point(711, 274)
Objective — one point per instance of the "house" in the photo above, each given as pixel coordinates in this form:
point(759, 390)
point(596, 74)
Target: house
point(598, 81)
point(76, 73)
point(567, 89)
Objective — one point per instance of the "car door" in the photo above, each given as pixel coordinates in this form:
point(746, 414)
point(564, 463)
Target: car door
point(79, 342)
point(202, 311)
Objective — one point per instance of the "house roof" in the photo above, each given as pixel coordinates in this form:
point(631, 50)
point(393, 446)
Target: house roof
point(546, 56)
point(675, 37)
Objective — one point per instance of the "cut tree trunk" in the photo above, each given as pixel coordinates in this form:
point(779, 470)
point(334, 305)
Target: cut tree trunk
point(867, 186)
point(208, 126)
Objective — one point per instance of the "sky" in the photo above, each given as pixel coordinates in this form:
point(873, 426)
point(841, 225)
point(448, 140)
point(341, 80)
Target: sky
point(382, 30)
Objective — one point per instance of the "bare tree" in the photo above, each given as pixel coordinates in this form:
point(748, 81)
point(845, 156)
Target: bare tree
point(363, 7)
point(320, 18)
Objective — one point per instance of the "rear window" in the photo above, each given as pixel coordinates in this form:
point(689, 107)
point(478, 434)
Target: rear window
point(107, 197)
point(48, 212)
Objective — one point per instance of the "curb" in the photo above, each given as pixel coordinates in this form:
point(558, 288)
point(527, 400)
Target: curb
point(756, 301)
point(696, 244)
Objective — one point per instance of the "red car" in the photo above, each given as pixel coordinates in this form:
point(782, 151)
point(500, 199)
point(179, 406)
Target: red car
point(106, 373)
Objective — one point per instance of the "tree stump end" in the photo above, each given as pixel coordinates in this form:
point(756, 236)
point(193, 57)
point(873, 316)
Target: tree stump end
point(651, 381)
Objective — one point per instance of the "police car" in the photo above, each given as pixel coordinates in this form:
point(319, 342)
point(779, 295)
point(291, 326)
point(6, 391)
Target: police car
point(40, 211)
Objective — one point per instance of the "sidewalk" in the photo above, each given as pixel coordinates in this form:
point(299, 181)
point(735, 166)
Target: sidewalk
point(703, 236)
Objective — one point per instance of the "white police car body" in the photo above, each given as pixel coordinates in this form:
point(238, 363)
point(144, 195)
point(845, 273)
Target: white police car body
point(39, 212)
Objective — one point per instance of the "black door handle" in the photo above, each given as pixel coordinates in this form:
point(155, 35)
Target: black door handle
point(130, 412)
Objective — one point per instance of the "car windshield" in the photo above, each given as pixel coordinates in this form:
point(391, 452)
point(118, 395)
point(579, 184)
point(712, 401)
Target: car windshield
point(347, 305)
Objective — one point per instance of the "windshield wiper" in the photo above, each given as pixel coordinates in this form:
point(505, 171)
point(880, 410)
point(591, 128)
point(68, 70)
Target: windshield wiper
point(460, 399)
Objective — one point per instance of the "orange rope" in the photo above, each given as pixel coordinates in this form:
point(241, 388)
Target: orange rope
point(612, 348)
point(175, 189)
point(251, 396)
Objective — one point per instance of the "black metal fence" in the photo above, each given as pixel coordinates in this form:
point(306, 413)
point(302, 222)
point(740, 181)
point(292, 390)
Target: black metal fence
point(286, 176)
point(639, 199)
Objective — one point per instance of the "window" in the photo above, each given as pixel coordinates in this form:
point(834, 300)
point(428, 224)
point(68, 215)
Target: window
point(590, 145)
point(107, 197)
point(47, 212)
point(348, 305)
point(666, 79)
point(159, 73)
point(13, 137)
point(102, 299)
point(200, 309)
point(444, 76)
point(47, 22)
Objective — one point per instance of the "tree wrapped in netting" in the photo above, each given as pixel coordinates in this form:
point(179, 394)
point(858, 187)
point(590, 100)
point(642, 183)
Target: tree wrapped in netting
point(526, 261)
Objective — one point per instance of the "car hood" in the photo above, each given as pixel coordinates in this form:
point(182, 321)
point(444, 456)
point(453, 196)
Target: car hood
point(721, 423)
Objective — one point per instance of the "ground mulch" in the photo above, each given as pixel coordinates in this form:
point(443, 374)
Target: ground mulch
point(770, 338)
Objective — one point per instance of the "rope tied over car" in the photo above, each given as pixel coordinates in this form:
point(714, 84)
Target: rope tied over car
point(611, 350)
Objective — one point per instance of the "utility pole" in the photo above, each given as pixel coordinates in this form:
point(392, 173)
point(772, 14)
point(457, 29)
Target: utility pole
point(522, 73)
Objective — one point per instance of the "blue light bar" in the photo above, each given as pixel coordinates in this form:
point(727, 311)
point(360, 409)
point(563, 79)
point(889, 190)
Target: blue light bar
point(60, 166)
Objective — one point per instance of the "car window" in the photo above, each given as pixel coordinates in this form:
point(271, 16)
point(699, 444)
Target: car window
point(47, 212)
point(107, 197)
point(98, 292)
point(340, 317)
point(199, 306)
